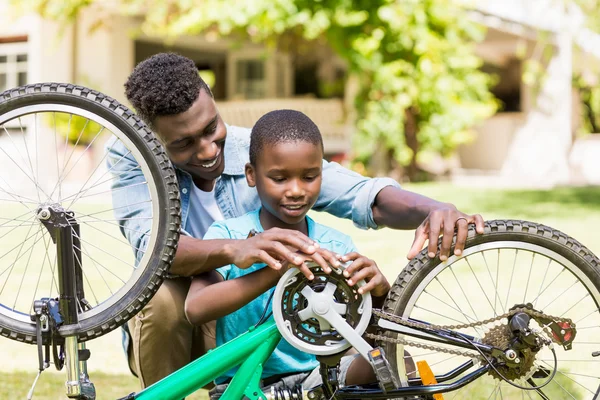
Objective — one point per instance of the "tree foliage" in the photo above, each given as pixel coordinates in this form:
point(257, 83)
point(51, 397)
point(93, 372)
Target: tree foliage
point(420, 84)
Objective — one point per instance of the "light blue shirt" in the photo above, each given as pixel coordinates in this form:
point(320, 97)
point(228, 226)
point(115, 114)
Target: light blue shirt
point(344, 193)
point(285, 359)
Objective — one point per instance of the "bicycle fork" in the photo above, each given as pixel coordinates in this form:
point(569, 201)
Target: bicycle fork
point(64, 230)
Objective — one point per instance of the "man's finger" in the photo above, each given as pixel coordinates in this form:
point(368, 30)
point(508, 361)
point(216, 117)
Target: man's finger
point(306, 271)
point(294, 239)
point(435, 223)
point(266, 258)
point(461, 236)
point(281, 252)
point(447, 238)
point(417, 245)
point(479, 223)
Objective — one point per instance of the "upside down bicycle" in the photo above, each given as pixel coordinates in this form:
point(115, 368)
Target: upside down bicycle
point(517, 315)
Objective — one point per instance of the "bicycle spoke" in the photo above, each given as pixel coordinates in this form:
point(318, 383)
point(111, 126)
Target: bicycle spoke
point(542, 284)
point(593, 312)
point(46, 245)
point(560, 295)
point(19, 153)
point(481, 287)
point(566, 376)
point(35, 177)
point(512, 274)
point(528, 277)
point(26, 268)
point(463, 292)
point(16, 259)
point(108, 254)
point(105, 173)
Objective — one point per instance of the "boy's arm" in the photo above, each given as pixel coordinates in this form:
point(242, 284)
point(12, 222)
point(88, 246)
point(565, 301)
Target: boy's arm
point(211, 297)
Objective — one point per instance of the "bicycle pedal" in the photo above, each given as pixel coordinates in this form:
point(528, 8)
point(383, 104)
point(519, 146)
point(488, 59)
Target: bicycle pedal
point(386, 376)
point(427, 377)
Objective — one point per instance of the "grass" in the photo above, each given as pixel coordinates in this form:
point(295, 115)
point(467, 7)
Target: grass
point(575, 211)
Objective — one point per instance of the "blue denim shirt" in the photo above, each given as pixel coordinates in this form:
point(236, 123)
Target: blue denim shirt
point(344, 193)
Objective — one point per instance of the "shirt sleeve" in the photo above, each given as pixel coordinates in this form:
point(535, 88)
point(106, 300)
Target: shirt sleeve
point(218, 230)
point(347, 194)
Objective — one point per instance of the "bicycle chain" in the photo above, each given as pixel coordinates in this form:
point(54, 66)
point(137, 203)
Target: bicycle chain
point(412, 324)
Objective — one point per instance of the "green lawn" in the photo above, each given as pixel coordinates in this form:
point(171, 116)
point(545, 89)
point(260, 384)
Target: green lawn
point(575, 211)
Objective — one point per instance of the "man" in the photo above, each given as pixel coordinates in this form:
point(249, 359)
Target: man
point(210, 156)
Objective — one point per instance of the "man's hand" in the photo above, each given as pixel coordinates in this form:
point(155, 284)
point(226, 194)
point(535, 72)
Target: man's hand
point(365, 268)
point(443, 221)
point(276, 246)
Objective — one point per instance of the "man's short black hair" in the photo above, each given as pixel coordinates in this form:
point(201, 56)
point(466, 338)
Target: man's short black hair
point(283, 126)
point(164, 84)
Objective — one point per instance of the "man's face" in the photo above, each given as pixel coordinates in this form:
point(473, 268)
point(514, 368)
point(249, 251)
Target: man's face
point(287, 177)
point(195, 139)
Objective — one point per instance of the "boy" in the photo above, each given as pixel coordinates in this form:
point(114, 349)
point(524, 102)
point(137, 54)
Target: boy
point(286, 152)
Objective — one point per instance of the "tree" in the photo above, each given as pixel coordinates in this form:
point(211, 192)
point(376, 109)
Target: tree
point(420, 87)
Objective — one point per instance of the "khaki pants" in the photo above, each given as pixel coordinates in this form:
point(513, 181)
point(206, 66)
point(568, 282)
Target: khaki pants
point(162, 339)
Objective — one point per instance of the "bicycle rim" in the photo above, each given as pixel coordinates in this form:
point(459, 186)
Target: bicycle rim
point(498, 270)
point(52, 152)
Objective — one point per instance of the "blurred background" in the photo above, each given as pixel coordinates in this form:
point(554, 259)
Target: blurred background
point(494, 105)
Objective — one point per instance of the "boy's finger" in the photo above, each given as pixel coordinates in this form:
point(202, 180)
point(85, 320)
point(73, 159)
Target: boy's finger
point(365, 273)
point(329, 256)
point(316, 257)
point(354, 266)
point(366, 288)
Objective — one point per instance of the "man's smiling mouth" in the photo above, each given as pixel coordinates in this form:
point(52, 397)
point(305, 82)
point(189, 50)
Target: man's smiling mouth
point(210, 164)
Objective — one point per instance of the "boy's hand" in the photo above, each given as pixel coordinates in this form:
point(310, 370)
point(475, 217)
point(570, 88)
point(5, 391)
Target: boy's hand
point(364, 268)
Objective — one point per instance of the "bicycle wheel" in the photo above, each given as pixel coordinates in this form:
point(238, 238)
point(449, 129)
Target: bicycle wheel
point(513, 262)
point(69, 149)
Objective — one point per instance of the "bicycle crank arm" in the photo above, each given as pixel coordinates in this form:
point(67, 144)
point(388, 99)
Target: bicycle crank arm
point(321, 307)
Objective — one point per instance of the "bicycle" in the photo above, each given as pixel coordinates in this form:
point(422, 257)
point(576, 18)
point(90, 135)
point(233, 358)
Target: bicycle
point(540, 287)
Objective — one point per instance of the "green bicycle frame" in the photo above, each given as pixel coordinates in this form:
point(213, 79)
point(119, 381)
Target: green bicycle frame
point(249, 350)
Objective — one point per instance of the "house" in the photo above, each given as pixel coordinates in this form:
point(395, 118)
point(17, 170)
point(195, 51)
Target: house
point(530, 142)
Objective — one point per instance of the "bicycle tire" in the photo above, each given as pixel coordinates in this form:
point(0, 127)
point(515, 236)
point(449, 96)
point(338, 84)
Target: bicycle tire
point(420, 285)
point(75, 101)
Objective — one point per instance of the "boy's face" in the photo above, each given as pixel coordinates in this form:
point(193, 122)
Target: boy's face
point(287, 177)
point(195, 139)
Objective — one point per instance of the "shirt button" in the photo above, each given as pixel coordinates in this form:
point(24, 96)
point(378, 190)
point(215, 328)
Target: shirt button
point(184, 190)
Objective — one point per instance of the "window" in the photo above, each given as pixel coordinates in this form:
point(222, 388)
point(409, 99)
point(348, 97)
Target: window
point(13, 64)
point(251, 79)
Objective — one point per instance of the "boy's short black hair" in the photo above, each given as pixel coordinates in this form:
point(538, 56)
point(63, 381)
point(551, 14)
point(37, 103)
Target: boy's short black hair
point(282, 126)
point(164, 84)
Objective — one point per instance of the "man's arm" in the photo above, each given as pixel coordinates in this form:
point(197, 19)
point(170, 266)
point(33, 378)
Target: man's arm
point(211, 297)
point(196, 256)
point(401, 209)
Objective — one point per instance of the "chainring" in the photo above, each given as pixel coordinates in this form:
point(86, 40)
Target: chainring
point(312, 335)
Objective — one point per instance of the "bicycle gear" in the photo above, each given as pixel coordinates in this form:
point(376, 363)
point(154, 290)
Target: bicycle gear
point(500, 336)
point(299, 320)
